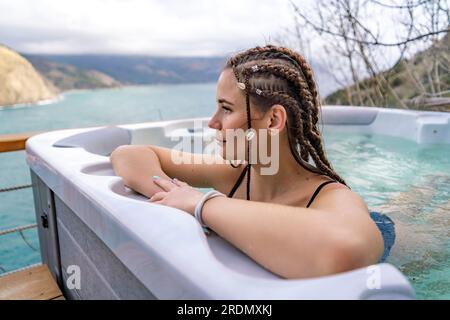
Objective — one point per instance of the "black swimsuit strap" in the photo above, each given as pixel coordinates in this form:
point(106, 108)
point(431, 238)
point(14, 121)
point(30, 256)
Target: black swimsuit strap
point(317, 191)
point(238, 182)
point(242, 175)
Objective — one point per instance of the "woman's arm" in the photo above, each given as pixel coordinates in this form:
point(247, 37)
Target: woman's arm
point(136, 164)
point(335, 234)
point(299, 242)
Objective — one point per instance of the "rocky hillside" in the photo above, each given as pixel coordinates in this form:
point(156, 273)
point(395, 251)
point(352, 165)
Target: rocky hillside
point(68, 77)
point(67, 72)
point(142, 69)
point(146, 70)
point(19, 80)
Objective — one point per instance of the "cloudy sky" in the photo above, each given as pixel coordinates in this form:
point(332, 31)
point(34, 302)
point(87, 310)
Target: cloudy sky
point(156, 27)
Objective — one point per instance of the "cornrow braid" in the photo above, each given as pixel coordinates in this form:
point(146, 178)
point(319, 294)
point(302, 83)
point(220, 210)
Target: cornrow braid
point(295, 77)
point(297, 92)
point(271, 52)
point(274, 52)
point(306, 69)
point(297, 128)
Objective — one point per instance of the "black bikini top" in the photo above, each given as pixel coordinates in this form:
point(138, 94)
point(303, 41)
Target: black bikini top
point(242, 175)
point(238, 182)
point(318, 190)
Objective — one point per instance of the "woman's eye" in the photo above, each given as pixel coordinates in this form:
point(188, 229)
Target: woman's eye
point(226, 109)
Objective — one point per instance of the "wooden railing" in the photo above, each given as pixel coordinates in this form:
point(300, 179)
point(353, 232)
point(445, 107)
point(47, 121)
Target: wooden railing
point(14, 142)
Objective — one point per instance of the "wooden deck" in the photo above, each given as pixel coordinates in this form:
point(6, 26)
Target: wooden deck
point(35, 283)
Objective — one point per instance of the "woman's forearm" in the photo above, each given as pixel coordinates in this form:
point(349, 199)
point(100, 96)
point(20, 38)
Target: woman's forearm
point(289, 241)
point(136, 165)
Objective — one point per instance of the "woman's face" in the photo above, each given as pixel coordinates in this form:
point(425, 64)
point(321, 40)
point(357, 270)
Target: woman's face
point(231, 114)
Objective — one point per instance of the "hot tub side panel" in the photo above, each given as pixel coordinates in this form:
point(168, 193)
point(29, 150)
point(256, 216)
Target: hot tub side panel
point(47, 230)
point(72, 249)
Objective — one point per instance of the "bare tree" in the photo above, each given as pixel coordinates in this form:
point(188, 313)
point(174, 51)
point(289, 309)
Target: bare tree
point(364, 57)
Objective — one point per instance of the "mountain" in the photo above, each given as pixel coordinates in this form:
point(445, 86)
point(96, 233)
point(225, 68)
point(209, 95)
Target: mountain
point(68, 77)
point(413, 81)
point(66, 72)
point(138, 69)
point(19, 80)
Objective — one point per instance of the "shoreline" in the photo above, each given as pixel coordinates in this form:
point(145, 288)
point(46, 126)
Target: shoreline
point(43, 102)
point(126, 86)
point(61, 95)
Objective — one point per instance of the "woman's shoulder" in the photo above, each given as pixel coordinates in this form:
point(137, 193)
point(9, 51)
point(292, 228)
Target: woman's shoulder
point(324, 184)
point(333, 195)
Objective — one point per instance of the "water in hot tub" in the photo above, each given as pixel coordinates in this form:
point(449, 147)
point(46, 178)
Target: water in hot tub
point(408, 182)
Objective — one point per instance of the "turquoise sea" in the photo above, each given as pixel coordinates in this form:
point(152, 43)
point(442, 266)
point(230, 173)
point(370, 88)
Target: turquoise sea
point(408, 182)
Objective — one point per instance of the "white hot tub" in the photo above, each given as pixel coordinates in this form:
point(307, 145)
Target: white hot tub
point(124, 247)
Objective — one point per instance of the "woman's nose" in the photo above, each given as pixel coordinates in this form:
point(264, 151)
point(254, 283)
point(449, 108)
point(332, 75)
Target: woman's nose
point(214, 123)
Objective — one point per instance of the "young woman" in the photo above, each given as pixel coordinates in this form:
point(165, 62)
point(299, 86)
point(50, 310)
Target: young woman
point(303, 220)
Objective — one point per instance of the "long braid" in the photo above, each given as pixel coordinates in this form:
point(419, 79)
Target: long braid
point(298, 130)
point(270, 52)
point(249, 126)
point(309, 76)
point(232, 64)
point(294, 77)
point(300, 98)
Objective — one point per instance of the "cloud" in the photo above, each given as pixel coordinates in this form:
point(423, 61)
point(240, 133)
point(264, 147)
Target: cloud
point(169, 27)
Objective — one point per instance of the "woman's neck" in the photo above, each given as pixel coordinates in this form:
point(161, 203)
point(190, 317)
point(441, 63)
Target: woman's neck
point(289, 177)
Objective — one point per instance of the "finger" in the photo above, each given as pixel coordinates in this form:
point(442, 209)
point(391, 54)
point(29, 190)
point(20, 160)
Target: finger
point(165, 184)
point(179, 183)
point(157, 196)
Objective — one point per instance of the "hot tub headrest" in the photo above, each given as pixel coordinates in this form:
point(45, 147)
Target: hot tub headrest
point(100, 141)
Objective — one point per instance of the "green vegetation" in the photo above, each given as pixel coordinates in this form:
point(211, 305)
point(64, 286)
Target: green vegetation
point(421, 82)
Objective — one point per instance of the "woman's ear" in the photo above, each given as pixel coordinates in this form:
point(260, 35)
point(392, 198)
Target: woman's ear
point(278, 117)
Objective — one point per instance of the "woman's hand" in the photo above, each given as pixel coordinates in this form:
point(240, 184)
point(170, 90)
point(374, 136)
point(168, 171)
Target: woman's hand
point(176, 194)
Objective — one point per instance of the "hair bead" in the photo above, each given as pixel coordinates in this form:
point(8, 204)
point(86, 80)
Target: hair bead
point(241, 85)
point(299, 97)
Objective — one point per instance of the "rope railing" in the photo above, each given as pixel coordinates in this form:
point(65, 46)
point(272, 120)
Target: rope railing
point(9, 143)
point(15, 188)
point(17, 229)
point(20, 231)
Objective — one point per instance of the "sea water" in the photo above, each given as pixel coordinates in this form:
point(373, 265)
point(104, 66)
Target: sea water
point(410, 183)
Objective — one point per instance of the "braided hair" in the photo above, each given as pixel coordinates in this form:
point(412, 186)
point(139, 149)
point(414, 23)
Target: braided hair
point(277, 75)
